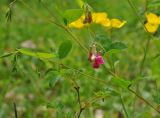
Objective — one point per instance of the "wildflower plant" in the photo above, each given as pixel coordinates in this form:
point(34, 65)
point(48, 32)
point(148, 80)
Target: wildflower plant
point(83, 75)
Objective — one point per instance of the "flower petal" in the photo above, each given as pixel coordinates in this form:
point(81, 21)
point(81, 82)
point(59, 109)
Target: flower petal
point(99, 59)
point(95, 65)
point(152, 28)
point(116, 23)
point(77, 24)
point(106, 22)
point(99, 17)
point(152, 18)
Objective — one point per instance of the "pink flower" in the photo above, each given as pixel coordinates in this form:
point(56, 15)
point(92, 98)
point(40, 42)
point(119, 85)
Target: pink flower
point(95, 65)
point(95, 58)
point(98, 61)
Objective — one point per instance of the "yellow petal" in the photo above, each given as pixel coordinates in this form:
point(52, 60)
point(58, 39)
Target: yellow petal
point(106, 22)
point(116, 23)
point(78, 23)
point(99, 17)
point(152, 28)
point(152, 18)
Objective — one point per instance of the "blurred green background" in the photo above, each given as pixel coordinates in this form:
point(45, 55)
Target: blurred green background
point(41, 93)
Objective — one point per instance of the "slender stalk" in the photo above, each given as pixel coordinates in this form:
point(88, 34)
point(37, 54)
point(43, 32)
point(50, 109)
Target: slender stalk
point(146, 4)
point(79, 102)
point(151, 36)
point(145, 55)
point(79, 114)
point(48, 10)
point(84, 74)
point(140, 97)
point(136, 13)
point(124, 108)
point(15, 110)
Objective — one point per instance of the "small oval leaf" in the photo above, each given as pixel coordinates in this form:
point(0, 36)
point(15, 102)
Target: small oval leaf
point(36, 54)
point(64, 49)
point(118, 46)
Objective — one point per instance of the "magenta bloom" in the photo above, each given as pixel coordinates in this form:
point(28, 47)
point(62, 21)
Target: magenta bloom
point(95, 58)
point(98, 61)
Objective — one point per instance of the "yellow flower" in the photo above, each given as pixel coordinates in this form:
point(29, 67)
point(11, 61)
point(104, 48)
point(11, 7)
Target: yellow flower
point(78, 23)
point(153, 22)
point(116, 23)
point(152, 18)
point(152, 28)
point(97, 18)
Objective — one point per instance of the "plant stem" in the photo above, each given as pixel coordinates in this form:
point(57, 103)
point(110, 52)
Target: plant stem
point(15, 110)
point(140, 97)
point(145, 55)
point(146, 6)
point(79, 102)
point(136, 13)
point(79, 114)
point(124, 108)
point(84, 74)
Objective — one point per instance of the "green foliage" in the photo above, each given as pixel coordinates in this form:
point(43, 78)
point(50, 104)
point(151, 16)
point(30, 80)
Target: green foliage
point(118, 46)
point(72, 15)
point(6, 55)
point(53, 77)
point(42, 82)
point(36, 54)
point(64, 49)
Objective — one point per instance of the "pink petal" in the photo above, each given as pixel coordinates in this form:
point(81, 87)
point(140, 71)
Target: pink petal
point(99, 59)
point(95, 65)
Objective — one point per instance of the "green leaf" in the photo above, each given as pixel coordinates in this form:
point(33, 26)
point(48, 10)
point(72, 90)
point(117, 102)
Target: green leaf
point(118, 46)
point(72, 15)
point(112, 51)
point(36, 54)
point(121, 82)
point(52, 77)
point(80, 3)
point(7, 55)
point(9, 14)
point(64, 49)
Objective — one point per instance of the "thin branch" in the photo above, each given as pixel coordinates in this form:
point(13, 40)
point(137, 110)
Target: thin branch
point(124, 108)
point(48, 10)
point(145, 55)
point(81, 108)
point(148, 41)
point(15, 110)
point(85, 74)
point(140, 97)
point(136, 13)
